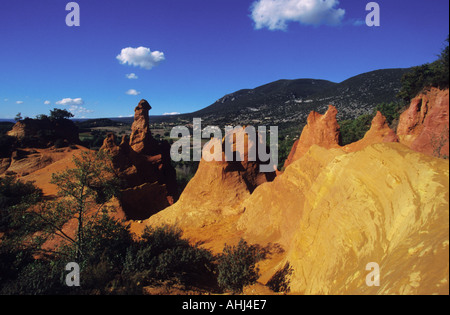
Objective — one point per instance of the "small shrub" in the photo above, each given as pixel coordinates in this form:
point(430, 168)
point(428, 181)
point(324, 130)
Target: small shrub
point(107, 240)
point(60, 143)
point(237, 266)
point(164, 255)
point(280, 280)
point(15, 196)
point(37, 278)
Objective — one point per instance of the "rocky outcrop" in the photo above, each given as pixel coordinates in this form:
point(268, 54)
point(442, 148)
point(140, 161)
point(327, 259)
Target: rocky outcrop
point(38, 165)
point(217, 189)
point(384, 204)
point(144, 166)
point(335, 212)
point(322, 130)
point(44, 132)
point(379, 132)
point(424, 126)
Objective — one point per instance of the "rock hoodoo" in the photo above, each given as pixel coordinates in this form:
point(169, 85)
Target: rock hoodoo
point(379, 132)
point(141, 140)
point(217, 189)
point(322, 130)
point(144, 166)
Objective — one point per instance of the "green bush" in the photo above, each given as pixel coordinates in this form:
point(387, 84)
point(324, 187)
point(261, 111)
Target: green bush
point(163, 255)
point(14, 197)
point(108, 240)
point(39, 277)
point(60, 143)
point(12, 261)
point(280, 280)
point(237, 266)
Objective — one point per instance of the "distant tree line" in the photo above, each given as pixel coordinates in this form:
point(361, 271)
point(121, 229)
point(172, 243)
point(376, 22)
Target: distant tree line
point(435, 74)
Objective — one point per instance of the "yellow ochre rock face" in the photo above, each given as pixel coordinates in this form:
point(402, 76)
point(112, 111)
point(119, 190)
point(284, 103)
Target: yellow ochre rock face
point(384, 204)
point(333, 213)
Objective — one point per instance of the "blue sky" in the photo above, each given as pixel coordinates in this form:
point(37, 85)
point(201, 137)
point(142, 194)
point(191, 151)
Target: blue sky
point(196, 51)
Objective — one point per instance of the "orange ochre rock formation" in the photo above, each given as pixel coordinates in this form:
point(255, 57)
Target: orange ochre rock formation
point(323, 130)
point(217, 188)
point(320, 129)
point(424, 126)
point(143, 164)
point(333, 211)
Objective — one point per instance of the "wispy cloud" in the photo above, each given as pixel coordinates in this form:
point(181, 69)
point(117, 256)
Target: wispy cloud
point(131, 76)
point(19, 102)
point(132, 92)
point(47, 102)
point(170, 114)
point(357, 22)
point(70, 102)
point(140, 57)
point(275, 14)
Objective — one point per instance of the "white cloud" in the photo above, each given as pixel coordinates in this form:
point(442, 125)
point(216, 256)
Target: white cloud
point(5, 99)
point(70, 102)
point(275, 14)
point(140, 57)
point(79, 110)
point(131, 76)
point(132, 92)
point(19, 102)
point(170, 114)
point(47, 102)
